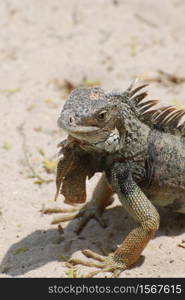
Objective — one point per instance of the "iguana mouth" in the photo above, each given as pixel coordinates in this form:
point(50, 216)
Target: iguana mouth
point(80, 129)
point(76, 129)
point(86, 133)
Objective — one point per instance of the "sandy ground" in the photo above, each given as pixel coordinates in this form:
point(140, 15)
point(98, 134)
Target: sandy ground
point(44, 42)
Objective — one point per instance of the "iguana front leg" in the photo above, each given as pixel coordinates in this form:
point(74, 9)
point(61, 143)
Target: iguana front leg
point(144, 213)
point(93, 209)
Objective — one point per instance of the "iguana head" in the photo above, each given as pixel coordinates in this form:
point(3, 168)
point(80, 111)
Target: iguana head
point(89, 115)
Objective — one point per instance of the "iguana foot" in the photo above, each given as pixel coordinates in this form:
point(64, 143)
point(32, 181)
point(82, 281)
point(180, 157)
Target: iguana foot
point(85, 213)
point(104, 263)
point(88, 212)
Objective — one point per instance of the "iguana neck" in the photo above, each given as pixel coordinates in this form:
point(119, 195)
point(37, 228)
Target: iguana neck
point(134, 138)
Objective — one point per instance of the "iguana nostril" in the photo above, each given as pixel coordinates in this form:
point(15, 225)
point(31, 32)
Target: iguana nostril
point(71, 120)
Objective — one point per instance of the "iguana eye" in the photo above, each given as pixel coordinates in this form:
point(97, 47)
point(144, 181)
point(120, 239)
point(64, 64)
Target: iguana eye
point(102, 115)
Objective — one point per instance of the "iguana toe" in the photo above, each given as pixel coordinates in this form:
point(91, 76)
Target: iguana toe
point(67, 213)
point(104, 263)
point(85, 213)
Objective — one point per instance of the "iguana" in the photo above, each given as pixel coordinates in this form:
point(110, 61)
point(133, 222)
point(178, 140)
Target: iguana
point(140, 150)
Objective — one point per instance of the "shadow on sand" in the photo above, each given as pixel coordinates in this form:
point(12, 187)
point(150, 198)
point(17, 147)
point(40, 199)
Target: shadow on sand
point(41, 247)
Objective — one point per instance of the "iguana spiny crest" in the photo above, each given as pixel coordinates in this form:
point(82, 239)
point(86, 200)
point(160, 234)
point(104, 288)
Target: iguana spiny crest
point(100, 118)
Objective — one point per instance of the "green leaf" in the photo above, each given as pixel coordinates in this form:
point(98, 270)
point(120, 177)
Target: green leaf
point(62, 258)
point(91, 83)
point(177, 103)
point(50, 165)
point(71, 273)
point(49, 101)
point(19, 225)
point(39, 181)
point(9, 91)
point(7, 146)
point(20, 250)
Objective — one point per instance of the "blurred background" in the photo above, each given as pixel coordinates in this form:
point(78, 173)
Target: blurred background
point(47, 48)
